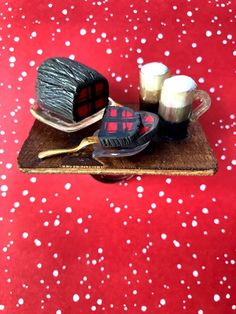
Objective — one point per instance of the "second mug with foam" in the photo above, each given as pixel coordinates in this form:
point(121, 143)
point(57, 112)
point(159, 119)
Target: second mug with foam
point(176, 106)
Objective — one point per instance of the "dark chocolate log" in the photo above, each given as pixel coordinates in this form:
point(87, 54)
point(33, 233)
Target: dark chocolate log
point(120, 127)
point(70, 90)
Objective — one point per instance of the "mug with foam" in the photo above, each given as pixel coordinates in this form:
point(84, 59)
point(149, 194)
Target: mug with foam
point(176, 106)
point(152, 76)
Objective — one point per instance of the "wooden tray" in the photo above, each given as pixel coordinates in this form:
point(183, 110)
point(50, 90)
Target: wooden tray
point(192, 156)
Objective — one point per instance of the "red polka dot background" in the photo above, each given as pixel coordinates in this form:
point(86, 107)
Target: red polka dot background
point(152, 244)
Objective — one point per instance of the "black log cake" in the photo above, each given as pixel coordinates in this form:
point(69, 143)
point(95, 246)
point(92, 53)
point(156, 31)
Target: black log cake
point(70, 90)
point(119, 127)
point(122, 127)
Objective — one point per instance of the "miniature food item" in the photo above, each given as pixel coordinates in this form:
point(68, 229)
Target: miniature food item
point(120, 127)
point(148, 128)
point(70, 90)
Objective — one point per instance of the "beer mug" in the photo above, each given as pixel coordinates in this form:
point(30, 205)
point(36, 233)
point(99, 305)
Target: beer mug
point(176, 106)
point(152, 76)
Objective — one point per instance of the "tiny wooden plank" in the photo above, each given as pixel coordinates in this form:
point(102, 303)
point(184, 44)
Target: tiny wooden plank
point(192, 156)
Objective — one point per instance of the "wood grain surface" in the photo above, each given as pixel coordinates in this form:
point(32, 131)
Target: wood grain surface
point(192, 156)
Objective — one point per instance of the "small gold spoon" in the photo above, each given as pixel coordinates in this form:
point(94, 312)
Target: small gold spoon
point(85, 142)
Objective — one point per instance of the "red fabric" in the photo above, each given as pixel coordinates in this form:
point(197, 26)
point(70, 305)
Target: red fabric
point(70, 244)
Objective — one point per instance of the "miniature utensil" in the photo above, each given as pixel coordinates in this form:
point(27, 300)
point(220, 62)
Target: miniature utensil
point(84, 143)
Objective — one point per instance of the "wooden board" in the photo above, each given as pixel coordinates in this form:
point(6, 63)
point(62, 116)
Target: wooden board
point(192, 156)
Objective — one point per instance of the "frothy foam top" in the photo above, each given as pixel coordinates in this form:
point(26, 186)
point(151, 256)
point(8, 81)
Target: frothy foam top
point(180, 83)
point(154, 68)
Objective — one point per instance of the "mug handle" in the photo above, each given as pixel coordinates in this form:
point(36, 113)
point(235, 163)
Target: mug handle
point(203, 107)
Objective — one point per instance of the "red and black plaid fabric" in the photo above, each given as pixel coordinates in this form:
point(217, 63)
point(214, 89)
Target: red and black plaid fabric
point(120, 126)
point(90, 99)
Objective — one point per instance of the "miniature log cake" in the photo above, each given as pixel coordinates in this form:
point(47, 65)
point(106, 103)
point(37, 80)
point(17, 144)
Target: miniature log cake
point(120, 126)
point(70, 90)
point(148, 129)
